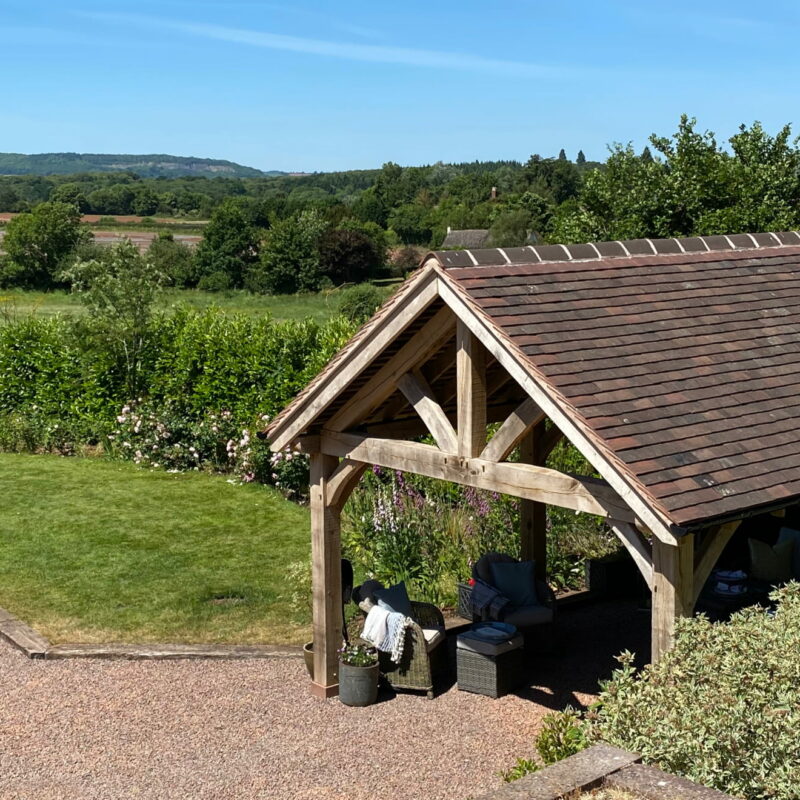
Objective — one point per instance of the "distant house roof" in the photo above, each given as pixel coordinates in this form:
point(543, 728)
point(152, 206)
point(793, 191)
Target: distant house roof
point(473, 237)
point(678, 359)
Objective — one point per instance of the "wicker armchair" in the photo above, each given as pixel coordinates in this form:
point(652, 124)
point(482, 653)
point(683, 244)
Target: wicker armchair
point(535, 623)
point(422, 663)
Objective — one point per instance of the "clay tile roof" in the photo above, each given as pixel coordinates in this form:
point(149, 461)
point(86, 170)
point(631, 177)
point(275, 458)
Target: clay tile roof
point(475, 237)
point(681, 356)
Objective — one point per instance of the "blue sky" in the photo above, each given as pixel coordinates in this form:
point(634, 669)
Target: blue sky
point(320, 86)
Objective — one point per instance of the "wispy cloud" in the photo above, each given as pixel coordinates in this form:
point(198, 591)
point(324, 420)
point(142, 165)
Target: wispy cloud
point(346, 50)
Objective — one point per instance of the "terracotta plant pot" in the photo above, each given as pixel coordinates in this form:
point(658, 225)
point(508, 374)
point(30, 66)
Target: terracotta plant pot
point(358, 686)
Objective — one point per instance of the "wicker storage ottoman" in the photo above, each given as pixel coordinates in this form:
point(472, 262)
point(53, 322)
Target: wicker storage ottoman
point(491, 674)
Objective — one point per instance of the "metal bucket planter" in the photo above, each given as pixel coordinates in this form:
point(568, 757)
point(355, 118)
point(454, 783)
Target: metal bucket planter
point(308, 656)
point(358, 686)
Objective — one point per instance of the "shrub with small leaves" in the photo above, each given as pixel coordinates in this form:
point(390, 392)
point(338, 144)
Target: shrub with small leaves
point(562, 735)
point(722, 707)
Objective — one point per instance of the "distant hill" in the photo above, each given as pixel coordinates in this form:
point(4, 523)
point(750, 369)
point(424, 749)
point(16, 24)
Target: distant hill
point(148, 166)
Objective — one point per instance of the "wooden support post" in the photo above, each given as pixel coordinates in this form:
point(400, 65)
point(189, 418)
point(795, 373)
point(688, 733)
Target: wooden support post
point(533, 515)
point(471, 379)
point(326, 577)
point(673, 590)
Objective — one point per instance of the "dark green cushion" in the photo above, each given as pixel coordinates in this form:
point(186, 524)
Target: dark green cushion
point(791, 535)
point(516, 581)
point(771, 564)
point(395, 598)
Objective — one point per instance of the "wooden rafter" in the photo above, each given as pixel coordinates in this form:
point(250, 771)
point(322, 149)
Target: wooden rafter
point(417, 350)
point(527, 481)
point(509, 434)
point(471, 398)
point(419, 394)
point(640, 549)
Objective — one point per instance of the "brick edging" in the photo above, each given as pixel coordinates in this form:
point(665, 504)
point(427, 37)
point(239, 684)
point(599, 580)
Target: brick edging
point(34, 645)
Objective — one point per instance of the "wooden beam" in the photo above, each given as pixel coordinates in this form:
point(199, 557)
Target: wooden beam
point(471, 382)
point(343, 480)
point(509, 434)
point(326, 573)
point(549, 441)
point(708, 553)
point(524, 374)
point(417, 391)
point(408, 427)
point(532, 514)
point(410, 301)
point(414, 352)
point(589, 495)
point(640, 549)
point(673, 587)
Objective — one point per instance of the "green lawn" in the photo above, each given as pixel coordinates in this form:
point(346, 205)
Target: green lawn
point(101, 551)
point(15, 303)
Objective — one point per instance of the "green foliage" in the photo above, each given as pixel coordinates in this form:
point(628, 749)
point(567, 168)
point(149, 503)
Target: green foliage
point(695, 188)
point(358, 655)
point(291, 260)
point(173, 259)
point(193, 365)
point(510, 229)
point(38, 243)
point(120, 291)
point(722, 707)
point(350, 255)
point(412, 223)
point(359, 303)
point(562, 735)
point(230, 245)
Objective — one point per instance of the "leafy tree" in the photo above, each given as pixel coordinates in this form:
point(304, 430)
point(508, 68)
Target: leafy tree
point(562, 155)
point(120, 291)
point(368, 207)
point(359, 303)
point(510, 229)
point(411, 223)
point(73, 194)
point(290, 261)
point(173, 259)
point(231, 243)
point(145, 203)
point(38, 243)
point(581, 158)
point(646, 155)
point(348, 256)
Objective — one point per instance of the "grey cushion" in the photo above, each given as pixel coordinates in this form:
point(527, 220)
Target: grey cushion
point(790, 534)
point(771, 564)
point(516, 581)
point(529, 615)
point(483, 566)
point(432, 637)
point(395, 598)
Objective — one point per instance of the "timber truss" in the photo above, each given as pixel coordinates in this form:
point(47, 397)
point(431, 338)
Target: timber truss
point(430, 366)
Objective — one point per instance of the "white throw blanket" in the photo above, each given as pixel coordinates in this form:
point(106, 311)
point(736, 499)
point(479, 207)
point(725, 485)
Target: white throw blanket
point(386, 630)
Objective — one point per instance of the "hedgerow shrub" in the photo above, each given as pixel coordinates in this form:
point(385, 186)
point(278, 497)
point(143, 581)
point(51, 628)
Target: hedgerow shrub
point(722, 707)
point(211, 380)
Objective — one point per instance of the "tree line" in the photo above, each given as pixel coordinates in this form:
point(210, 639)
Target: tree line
point(294, 234)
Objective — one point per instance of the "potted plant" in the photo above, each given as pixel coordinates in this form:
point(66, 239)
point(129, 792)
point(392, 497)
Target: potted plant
point(358, 675)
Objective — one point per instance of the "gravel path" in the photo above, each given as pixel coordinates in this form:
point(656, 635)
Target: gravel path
point(227, 730)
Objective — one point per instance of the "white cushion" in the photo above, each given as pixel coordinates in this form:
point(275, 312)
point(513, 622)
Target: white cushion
point(432, 637)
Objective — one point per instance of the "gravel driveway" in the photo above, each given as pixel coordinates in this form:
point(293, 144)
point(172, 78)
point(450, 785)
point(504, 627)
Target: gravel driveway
point(109, 730)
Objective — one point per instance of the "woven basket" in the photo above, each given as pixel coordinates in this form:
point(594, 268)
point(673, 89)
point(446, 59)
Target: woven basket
point(493, 676)
point(464, 600)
